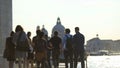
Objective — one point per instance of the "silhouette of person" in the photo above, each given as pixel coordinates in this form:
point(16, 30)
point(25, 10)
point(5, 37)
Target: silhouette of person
point(30, 52)
point(10, 50)
point(78, 44)
point(40, 50)
point(34, 39)
point(20, 38)
point(55, 42)
point(68, 49)
point(49, 48)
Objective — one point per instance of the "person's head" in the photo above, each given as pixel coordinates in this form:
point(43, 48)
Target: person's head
point(18, 28)
point(46, 36)
point(41, 34)
point(76, 29)
point(67, 31)
point(38, 32)
point(55, 33)
point(12, 33)
point(28, 34)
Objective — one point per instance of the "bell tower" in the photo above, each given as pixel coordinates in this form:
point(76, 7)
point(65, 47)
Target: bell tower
point(5, 27)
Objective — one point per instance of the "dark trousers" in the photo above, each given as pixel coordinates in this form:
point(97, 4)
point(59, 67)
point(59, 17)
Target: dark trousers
point(79, 56)
point(55, 57)
point(42, 64)
point(49, 59)
point(68, 55)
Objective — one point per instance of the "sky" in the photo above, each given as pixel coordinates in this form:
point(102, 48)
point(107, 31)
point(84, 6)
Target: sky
point(93, 17)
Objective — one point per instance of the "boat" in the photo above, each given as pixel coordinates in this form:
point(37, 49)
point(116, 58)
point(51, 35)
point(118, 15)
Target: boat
point(103, 52)
point(99, 53)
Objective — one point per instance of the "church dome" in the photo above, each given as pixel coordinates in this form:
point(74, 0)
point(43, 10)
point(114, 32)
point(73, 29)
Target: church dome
point(44, 30)
point(59, 28)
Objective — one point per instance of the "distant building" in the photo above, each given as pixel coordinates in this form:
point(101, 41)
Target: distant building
point(116, 46)
point(59, 28)
point(95, 45)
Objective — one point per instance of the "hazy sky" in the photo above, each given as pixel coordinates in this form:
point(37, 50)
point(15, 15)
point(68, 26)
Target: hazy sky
point(92, 16)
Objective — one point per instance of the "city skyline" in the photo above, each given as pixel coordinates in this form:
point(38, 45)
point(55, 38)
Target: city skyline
point(92, 16)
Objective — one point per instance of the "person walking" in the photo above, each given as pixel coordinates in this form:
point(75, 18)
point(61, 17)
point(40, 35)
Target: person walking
point(30, 58)
point(34, 39)
point(40, 49)
point(9, 52)
point(49, 48)
point(67, 48)
point(22, 46)
point(78, 44)
point(55, 42)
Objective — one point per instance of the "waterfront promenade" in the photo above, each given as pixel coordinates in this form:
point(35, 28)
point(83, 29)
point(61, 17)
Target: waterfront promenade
point(99, 62)
point(61, 65)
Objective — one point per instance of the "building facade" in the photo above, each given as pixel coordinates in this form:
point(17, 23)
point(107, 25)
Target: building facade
point(5, 27)
point(96, 45)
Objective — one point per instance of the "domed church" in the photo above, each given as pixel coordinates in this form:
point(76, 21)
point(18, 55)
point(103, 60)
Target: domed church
point(59, 28)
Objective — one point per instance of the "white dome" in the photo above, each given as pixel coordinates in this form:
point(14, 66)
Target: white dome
point(59, 28)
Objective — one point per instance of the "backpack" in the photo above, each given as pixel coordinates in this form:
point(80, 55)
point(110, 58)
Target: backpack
point(69, 42)
point(40, 45)
point(22, 45)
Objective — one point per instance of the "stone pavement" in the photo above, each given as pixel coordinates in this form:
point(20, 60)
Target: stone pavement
point(61, 65)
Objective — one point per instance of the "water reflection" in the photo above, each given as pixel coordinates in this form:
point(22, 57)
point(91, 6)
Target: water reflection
point(103, 62)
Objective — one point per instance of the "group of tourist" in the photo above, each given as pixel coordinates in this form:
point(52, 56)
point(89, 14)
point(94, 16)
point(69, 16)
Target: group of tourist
point(41, 51)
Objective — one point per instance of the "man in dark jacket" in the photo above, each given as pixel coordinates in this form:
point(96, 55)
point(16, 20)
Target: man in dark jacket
point(9, 52)
point(78, 44)
point(55, 42)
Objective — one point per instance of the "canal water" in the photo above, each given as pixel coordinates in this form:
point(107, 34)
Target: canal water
point(102, 62)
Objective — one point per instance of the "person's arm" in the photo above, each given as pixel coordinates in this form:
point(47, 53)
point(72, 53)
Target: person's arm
point(61, 48)
point(50, 45)
point(82, 39)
